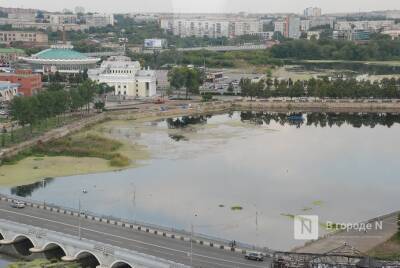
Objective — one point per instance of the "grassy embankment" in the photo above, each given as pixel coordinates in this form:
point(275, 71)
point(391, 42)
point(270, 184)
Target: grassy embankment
point(43, 263)
point(89, 151)
point(389, 250)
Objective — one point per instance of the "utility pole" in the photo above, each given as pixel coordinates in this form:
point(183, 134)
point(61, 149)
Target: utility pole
point(80, 222)
point(134, 200)
point(191, 244)
point(256, 221)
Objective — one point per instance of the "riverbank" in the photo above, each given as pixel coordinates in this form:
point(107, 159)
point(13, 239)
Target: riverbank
point(85, 152)
point(389, 250)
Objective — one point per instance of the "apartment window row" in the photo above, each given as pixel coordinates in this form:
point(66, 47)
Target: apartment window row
point(121, 71)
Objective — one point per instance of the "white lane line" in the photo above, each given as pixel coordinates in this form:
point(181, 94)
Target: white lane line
point(128, 239)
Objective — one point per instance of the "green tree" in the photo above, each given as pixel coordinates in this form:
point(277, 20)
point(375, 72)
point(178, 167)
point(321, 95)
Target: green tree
point(87, 91)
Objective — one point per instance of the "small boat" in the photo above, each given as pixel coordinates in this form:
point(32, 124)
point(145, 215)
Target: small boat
point(84, 191)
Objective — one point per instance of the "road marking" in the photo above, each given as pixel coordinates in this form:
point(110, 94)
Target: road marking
point(128, 239)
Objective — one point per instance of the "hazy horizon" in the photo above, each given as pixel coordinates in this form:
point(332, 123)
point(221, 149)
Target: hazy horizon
point(207, 6)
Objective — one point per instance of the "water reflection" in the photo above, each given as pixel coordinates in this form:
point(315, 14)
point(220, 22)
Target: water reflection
point(27, 190)
point(356, 120)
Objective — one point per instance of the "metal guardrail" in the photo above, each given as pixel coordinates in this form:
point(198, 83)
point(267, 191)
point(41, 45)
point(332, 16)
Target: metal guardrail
point(144, 226)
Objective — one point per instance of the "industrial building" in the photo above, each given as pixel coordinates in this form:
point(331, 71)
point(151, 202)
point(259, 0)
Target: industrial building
point(34, 38)
point(29, 83)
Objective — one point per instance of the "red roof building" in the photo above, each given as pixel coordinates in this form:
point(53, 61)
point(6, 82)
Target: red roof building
point(30, 83)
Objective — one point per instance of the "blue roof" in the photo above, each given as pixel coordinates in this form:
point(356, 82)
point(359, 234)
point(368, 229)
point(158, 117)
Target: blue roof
point(60, 54)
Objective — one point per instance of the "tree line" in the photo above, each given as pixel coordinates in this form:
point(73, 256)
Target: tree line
point(321, 88)
point(186, 78)
point(380, 48)
point(37, 109)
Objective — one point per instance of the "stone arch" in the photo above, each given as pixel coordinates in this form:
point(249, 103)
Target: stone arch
point(87, 259)
point(54, 250)
point(121, 264)
point(22, 244)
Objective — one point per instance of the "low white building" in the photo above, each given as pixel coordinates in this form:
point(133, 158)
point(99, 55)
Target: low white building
point(126, 76)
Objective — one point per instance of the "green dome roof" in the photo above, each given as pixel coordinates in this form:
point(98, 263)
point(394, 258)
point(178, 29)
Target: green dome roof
point(60, 54)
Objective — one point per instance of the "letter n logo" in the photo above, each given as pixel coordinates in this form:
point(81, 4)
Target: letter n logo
point(306, 227)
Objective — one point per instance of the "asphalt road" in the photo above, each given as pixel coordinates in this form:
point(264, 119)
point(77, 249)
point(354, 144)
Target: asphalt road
point(159, 246)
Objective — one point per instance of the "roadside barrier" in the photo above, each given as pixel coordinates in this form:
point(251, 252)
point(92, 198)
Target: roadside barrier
point(182, 235)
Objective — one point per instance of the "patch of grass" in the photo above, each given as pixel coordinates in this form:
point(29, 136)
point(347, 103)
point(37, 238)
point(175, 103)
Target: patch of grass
point(89, 145)
point(81, 145)
point(15, 159)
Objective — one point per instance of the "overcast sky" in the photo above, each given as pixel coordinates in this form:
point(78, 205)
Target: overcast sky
point(259, 6)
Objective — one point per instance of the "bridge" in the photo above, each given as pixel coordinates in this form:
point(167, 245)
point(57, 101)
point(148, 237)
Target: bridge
point(110, 243)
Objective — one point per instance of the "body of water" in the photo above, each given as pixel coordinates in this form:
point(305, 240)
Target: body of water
point(5, 261)
point(341, 167)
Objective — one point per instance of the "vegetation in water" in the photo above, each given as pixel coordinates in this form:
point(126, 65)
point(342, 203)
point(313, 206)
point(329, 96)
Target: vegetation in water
point(236, 208)
point(87, 145)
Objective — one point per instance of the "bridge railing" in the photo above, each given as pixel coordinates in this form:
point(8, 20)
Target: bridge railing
point(176, 233)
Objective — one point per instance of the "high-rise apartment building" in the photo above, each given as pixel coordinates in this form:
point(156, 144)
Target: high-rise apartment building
point(213, 27)
point(313, 12)
point(292, 27)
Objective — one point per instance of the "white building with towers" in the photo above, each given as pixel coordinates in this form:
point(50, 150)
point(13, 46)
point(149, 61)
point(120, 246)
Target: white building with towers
point(126, 76)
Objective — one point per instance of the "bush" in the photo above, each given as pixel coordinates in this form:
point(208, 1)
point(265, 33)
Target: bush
point(119, 160)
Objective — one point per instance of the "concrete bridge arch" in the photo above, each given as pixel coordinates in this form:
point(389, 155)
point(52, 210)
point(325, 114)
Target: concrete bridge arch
point(29, 240)
point(121, 264)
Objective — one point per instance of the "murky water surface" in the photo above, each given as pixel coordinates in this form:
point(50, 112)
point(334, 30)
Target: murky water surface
point(341, 167)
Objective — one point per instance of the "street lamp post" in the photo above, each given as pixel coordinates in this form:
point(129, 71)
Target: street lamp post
point(191, 241)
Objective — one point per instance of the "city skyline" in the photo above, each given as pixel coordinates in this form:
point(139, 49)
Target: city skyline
point(205, 6)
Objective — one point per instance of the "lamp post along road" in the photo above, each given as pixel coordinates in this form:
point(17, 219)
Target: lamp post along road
point(80, 221)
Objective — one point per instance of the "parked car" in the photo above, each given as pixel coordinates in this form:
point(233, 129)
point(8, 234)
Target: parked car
point(18, 204)
point(254, 256)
